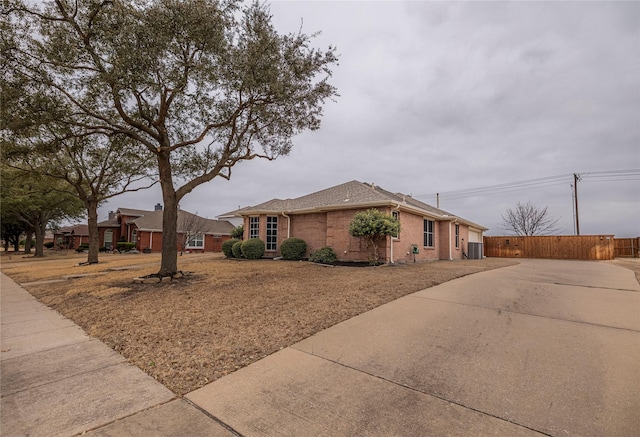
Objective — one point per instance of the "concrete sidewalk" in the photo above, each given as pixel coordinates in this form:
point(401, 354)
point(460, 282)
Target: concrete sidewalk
point(57, 381)
point(541, 348)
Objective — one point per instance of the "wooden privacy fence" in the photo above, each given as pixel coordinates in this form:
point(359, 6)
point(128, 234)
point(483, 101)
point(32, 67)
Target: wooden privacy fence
point(626, 247)
point(582, 247)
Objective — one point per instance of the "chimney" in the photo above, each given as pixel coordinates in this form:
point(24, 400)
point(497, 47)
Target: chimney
point(112, 215)
point(158, 207)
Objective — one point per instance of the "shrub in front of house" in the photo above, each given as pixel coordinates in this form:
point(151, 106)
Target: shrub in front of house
point(293, 249)
point(49, 244)
point(253, 248)
point(236, 249)
point(82, 247)
point(324, 255)
point(227, 247)
point(124, 246)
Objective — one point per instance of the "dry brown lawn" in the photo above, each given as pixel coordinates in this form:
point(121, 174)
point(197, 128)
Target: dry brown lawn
point(226, 314)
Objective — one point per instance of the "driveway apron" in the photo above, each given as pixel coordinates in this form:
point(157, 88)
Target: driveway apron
point(546, 347)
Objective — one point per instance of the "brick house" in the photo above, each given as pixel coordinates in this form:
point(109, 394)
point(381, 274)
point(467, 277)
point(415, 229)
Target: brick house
point(322, 219)
point(145, 229)
point(71, 237)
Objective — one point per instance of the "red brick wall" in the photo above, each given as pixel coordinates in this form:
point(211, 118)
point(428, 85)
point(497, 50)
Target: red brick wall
point(312, 228)
point(332, 229)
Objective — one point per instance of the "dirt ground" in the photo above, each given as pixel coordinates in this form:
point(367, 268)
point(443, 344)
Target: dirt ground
point(226, 314)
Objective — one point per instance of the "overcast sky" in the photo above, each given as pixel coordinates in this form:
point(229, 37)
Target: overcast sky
point(444, 97)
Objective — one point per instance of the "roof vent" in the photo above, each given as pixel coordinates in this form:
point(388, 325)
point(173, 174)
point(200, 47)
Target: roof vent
point(158, 207)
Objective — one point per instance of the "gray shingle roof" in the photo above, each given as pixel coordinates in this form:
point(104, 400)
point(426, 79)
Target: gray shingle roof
point(353, 194)
point(152, 221)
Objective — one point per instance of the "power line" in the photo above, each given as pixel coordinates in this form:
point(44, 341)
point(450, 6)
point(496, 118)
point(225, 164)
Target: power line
point(612, 175)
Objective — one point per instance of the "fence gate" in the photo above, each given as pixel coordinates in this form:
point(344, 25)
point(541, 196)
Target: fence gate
point(626, 247)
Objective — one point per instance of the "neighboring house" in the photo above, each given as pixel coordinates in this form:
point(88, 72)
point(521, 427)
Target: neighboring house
point(322, 219)
point(145, 229)
point(71, 237)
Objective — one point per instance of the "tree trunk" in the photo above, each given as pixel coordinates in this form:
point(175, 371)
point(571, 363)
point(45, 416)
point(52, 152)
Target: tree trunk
point(94, 235)
point(169, 263)
point(40, 229)
point(28, 242)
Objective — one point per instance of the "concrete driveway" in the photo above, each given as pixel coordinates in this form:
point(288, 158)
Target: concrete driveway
point(542, 348)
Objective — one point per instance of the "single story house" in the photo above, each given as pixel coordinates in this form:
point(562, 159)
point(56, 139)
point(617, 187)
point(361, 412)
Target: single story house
point(71, 237)
point(145, 229)
point(323, 218)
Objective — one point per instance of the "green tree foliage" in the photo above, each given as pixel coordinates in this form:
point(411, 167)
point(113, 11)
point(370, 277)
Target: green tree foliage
point(374, 226)
point(11, 229)
point(199, 84)
point(238, 232)
point(37, 201)
point(96, 166)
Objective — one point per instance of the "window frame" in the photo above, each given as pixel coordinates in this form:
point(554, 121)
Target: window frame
point(271, 240)
point(108, 243)
point(428, 234)
point(254, 227)
point(457, 231)
point(396, 215)
point(196, 238)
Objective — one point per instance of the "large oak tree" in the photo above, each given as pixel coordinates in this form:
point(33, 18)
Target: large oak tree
point(200, 84)
point(37, 202)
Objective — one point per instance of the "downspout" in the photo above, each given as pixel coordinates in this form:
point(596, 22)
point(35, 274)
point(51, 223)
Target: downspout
point(288, 224)
point(450, 252)
point(391, 243)
point(151, 241)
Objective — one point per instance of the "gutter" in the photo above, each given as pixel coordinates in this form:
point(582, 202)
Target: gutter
point(288, 224)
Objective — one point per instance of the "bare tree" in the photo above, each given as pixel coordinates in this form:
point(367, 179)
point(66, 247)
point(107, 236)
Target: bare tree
point(190, 226)
point(528, 220)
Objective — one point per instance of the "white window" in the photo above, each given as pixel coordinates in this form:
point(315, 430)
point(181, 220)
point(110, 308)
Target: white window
point(428, 233)
point(196, 242)
point(254, 227)
point(272, 233)
point(108, 239)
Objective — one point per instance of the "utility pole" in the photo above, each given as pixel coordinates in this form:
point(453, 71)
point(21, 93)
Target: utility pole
point(576, 178)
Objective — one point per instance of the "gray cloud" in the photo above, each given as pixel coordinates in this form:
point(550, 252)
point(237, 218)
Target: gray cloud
point(443, 96)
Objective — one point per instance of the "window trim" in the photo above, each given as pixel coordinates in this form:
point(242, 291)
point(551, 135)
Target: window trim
point(428, 233)
point(197, 237)
point(254, 227)
point(271, 240)
point(457, 231)
point(396, 215)
point(108, 243)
